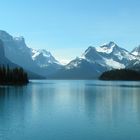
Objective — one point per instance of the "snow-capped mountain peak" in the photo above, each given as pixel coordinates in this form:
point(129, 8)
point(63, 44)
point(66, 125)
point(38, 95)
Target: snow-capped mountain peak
point(109, 55)
point(90, 49)
point(74, 63)
point(108, 45)
point(107, 48)
point(91, 54)
point(36, 53)
point(43, 58)
point(136, 51)
point(45, 53)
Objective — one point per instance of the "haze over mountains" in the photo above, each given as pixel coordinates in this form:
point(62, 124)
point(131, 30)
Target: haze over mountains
point(91, 64)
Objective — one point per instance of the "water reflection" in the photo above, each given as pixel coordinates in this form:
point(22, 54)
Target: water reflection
point(112, 102)
point(70, 110)
point(11, 103)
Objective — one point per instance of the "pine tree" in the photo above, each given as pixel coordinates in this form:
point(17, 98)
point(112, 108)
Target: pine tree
point(16, 76)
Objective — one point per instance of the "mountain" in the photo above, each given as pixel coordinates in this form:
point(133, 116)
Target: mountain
point(91, 64)
point(95, 61)
point(6, 62)
point(79, 69)
point(3, 59)
point(136, 51)
point(44, 59)
point(135, 64)
point(16, 50)
point(30, 59)
point(109, 55)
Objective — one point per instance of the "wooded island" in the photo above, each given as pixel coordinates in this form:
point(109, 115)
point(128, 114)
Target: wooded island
point(121, 74)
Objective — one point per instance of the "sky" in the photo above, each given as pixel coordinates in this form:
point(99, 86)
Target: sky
point(67, 27)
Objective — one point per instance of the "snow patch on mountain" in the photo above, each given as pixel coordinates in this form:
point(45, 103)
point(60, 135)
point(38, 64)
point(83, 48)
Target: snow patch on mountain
point(106, 48)
point(43, 54)
point(114, 64)
point(136, 51)
point(74, 63)
point(44, 58)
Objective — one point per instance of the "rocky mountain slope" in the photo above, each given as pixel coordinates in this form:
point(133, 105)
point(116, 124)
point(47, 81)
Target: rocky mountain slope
point(16, 50)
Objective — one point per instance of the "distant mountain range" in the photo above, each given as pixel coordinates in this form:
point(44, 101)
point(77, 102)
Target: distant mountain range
point(37, 61)
point(94, 61)
point(91, 64)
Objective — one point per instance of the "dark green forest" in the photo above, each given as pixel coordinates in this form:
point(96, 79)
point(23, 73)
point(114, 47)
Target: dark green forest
point(13, 76)
point(122, 74)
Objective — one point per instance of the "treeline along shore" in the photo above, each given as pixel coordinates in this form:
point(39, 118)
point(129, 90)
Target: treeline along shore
point(121, 74)
point(13, 76)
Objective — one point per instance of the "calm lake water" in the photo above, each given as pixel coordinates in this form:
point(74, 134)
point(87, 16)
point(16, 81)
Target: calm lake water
point(70, 110)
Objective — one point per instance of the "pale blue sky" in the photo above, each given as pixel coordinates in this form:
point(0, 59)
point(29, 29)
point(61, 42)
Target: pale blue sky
point(68, 27)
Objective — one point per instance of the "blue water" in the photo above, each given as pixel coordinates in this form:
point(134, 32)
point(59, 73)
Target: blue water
point(70, 110)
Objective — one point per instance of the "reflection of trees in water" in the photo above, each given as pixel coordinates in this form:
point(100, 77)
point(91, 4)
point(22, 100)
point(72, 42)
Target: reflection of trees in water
point(21, 105)
point(11, 94)
point(12, 108)
point(12, 98)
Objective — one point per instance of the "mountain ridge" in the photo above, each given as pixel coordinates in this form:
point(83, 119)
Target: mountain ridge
point(96, 60)
point(92, 62)
point(19, 53)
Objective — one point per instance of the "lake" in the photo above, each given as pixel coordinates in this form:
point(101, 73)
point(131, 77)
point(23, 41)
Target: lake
point(70, 110)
